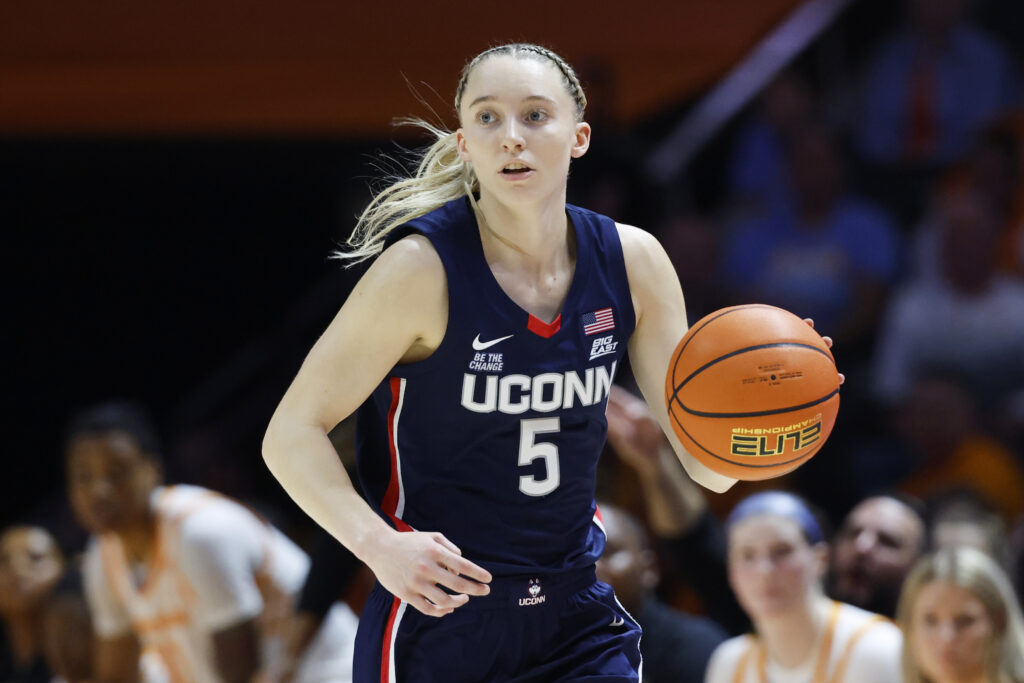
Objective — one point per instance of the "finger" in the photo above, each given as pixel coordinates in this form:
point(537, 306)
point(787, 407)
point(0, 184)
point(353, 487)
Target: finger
point(459, 584)
point(427, 608)
point(828, 341)
point(440, 598)
point(809, 321)
point(842, 378)
point(460, 565)
point(446, 543)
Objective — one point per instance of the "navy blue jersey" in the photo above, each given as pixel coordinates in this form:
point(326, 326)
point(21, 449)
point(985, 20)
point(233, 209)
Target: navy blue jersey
point(494, 439)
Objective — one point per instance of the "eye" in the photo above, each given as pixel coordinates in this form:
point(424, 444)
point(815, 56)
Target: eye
point(485, 117)
point(537, 116)
point(963, 621)
point(780, 552)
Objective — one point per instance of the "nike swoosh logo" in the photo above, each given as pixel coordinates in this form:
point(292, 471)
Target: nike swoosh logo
point(618, 621)
point(480, 346)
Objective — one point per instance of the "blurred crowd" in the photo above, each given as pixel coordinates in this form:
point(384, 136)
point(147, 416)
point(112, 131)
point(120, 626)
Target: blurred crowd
point(888, 205)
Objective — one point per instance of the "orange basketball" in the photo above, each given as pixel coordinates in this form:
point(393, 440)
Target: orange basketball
point(752, 391)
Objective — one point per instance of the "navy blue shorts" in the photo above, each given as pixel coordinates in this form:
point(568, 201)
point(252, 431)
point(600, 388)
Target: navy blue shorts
point(566, 627)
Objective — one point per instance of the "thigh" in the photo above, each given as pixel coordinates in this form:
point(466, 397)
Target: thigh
point(594, 639)
point(395, 643)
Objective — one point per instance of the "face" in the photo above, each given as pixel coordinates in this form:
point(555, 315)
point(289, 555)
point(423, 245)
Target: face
point(30, 565)
point(110, 481)
point(519, 128)
point(772, 567)
point(626, 564)
point(875, 548)
point(950, 631)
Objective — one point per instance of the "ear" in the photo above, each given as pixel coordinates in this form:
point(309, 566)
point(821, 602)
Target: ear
point(821, 555)
point(582, 142)
point(460, 145)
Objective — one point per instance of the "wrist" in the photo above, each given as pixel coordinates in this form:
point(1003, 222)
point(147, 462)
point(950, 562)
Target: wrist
point(371, 540)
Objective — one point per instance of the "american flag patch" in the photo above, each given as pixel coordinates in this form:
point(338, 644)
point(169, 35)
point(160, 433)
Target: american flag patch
point(598, 321)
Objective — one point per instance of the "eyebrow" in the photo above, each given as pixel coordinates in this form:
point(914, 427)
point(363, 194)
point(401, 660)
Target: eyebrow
point(488, 98)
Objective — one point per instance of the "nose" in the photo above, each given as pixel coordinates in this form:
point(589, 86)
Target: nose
point(512, 139)
point(864, 542)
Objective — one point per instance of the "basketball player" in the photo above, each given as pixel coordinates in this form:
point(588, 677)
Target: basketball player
point(183, 584)
point(777, 558)
point(481, 345)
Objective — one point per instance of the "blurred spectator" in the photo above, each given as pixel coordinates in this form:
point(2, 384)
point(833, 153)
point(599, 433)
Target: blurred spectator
point(757, 167)
point(31, 564)
point(969, 320)
point(777, 558)
point(68, 633)
point(961, 619)
point(931, 86)
point(877, 544)
point(940, 446)
point(963, 518)
point(181, 581)
point(676, 508)
point(828, 256)
point(676, 646)
point(991, 176)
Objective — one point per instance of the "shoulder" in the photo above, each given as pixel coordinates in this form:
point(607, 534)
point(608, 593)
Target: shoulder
point(213, 523)
point(879, 640)
point(639, 247)
point(411, 257)
point(405, 276)
point(726, 657)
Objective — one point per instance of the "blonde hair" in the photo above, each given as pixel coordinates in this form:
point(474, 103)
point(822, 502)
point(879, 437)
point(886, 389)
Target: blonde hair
point(978, 573)
point(441, 175)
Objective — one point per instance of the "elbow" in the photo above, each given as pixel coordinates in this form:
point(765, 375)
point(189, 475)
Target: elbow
point(272, 448)
point(708, 478)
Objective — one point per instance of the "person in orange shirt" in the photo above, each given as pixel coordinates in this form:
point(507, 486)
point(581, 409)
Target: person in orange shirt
point(938, 423)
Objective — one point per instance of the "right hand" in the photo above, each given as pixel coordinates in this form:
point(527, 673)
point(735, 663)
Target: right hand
point(413, 565)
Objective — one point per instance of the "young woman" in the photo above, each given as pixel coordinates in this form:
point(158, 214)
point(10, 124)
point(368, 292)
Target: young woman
point(777, 557)
point(481, 344)
point(31, 564)
point(962, 621)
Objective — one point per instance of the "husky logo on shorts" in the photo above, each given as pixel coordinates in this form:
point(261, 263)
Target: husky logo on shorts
point(535, 597)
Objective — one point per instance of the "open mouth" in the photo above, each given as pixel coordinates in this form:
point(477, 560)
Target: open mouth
point(515, 169)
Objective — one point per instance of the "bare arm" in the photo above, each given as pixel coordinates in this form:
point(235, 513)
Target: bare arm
point(660, 324)
point(397, 312)
point(117, 659)
point(237, 652)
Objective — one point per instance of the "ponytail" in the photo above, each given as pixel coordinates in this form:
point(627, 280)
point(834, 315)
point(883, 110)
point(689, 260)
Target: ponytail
point(440, 177)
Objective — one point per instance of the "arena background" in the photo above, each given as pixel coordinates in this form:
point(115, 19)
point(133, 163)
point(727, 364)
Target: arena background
point(173, 177)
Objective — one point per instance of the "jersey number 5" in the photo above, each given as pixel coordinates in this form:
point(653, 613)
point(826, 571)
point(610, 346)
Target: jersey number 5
point(530, 450)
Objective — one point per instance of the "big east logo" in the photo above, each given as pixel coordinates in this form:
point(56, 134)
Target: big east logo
point(759, 442)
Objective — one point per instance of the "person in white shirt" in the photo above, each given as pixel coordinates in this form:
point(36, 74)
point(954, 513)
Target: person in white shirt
point(183, 584)
point(777, 557)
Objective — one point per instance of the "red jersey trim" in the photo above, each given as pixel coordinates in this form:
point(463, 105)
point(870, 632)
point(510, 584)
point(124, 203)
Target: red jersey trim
point(543, 329)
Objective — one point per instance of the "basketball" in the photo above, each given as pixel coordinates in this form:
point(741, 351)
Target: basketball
point(752, 391)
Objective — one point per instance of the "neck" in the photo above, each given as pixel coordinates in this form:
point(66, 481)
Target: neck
point(138, 539)
point(25, 631)
point(534, 233)
point(790, 638)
